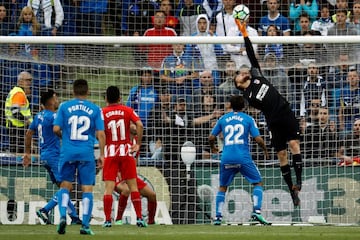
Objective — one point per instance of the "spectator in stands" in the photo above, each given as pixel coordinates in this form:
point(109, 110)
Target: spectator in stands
point(143, 98)
point(207, 53)
point(44, 10)
point(275, 48)
point(305, 7)
point(6, 26)
point(274, 17)
point(341, 28)
point(238, 51)
point(324, 23)
point(304, 24)
point(18, 113)
point(355, 17)
point(349, 101)
point(342, 5)
point(224, 19)
point(139, 16)
point(310, 52)
point(314, 87)
point(204, 120)
point(178, 125)
point(207, 87)
point(28, 26)
point(179, 72)
point(227, 87)
point(276, 74)
point(171, 21)
point(212, 7)
point(90, 17)
point(320, 142)
point(157, 52)
point(350, 151)
point(188, 15)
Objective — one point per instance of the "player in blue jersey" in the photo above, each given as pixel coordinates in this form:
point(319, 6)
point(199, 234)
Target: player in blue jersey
point(237, 126)
point(78, 122)
point(49, 144)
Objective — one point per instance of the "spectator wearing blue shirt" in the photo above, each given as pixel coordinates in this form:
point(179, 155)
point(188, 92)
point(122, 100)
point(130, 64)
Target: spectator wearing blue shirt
point(179, 72)
point(143, 99)
point(274, 18)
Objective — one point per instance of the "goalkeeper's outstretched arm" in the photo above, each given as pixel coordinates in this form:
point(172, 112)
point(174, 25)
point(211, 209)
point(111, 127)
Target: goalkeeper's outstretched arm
point(248, 45)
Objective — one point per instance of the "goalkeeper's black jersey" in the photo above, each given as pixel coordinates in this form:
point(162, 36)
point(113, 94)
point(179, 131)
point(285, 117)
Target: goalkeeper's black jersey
point(261, 94)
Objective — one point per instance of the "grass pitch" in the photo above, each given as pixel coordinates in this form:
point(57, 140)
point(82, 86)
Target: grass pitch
point(182, 232)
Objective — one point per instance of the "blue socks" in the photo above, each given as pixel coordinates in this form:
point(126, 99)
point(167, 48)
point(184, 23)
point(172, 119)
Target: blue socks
point(220, 200)
point(88, 202)
point(257, 198)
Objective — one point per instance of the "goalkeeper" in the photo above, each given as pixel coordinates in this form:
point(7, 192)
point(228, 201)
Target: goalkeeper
point(281, 120)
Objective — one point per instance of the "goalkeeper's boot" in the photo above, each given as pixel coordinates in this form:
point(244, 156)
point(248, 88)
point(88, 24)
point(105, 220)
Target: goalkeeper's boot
point(257, 217)
point(62, 226)
point(86, 231)
point(75, 221)
point(295, 195)
point(107, 224)
point(43, 215)
point(141, 223)
point(119, 222)
point(217, 221)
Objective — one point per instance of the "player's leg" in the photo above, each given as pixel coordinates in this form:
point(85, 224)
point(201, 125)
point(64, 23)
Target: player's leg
point(67, 173)
point(108, 202)
point(225, 178)
point(252, 175)
point(110, 171)
point(123, 189)
point(86, 176)
point(129, 174)
point(147, 192)
point(294, 146)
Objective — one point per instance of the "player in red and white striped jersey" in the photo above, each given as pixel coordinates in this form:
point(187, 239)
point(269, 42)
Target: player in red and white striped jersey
point(118, 152)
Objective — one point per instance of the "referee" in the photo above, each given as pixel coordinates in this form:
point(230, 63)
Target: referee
point(281, 120)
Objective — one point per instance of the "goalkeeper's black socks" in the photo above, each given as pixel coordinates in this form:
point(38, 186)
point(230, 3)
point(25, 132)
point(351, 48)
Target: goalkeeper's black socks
point(297, 164)
point(286, 173)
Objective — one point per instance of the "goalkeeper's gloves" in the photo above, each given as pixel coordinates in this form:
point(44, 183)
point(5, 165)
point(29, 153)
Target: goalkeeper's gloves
point(242, 27)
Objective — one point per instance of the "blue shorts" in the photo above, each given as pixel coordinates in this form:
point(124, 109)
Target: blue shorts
point(86, 172)
point(248, 170)
point(53, 169)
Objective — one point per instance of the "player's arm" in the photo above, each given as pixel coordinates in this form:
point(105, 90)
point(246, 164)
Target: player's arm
point(248, 45)
point(100, 135)
point(57, 130)
point(260, 141)
point(139, 133)
point(28, 140)
point(212, 140)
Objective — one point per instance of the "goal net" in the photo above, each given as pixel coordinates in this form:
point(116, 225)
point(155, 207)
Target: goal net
point(180, 86)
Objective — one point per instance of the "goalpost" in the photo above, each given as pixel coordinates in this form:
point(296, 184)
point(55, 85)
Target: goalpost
point(186, 191)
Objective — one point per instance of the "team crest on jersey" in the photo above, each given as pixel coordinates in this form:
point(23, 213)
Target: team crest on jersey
point(257, 81)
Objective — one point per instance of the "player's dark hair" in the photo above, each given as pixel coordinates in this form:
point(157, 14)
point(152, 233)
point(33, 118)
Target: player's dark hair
point(45, 96)
point(112, 94)
point(237, 103)
point(81, 87)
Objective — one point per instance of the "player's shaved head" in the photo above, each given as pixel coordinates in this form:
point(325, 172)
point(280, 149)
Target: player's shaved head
point(237, 103)
point(81, 87)
point(112, 94)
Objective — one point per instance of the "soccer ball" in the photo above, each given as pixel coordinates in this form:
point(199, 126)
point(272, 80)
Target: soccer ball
point(241, 12)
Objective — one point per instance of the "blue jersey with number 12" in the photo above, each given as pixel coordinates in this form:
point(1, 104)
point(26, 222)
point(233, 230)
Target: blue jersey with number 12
point(79, 120)
point(236, 128)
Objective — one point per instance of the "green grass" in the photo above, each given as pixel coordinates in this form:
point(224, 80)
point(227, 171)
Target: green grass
point(181, 232)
